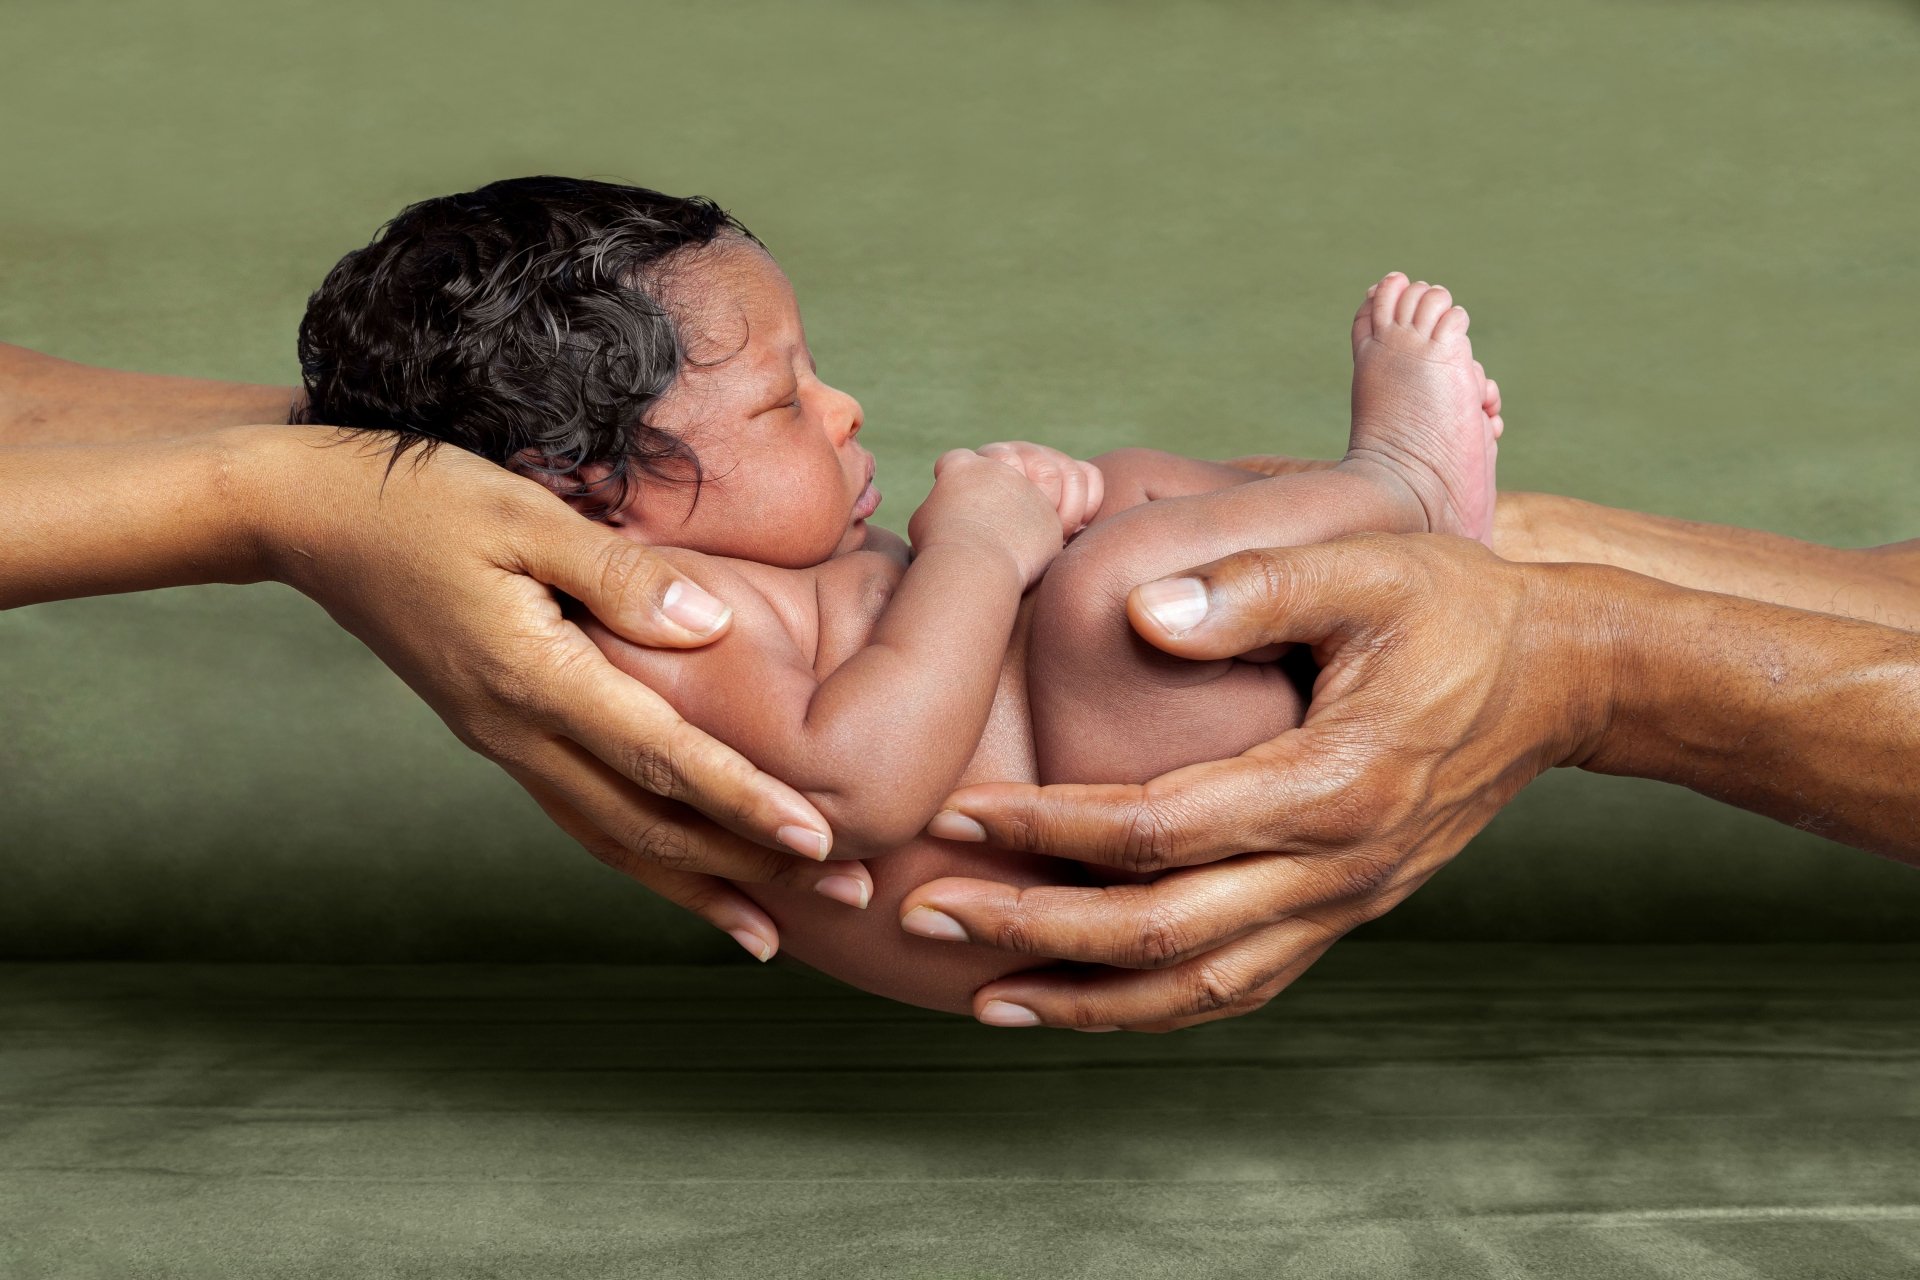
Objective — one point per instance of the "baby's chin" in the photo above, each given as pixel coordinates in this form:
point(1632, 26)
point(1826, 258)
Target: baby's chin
point(854, 539)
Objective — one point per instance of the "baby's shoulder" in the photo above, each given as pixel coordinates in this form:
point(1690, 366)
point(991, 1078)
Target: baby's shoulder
point(770, 604)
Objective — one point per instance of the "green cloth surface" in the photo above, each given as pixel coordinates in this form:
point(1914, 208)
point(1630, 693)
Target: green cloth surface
point(1407, 1110)
point(1685, 232)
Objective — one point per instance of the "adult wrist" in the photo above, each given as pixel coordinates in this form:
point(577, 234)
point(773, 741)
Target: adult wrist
point(276, 479)
point(1642, 637)
point(246, 466)
point(1576, 625)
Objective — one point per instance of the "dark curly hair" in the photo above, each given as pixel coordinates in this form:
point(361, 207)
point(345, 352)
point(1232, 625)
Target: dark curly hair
point(520, 321)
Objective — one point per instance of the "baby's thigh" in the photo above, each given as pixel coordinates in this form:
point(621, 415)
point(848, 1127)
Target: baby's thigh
point(868, 949)
point(1107, 706)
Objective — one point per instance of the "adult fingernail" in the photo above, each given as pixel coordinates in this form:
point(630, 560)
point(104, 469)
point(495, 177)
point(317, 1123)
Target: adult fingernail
point(755, 944)
point(844, 889)
point(1177, 604)
point(949, 825)
point(1096, 1029)
point(805, 841)
point(999, 1013)
point(929, 923)
point(693, 608)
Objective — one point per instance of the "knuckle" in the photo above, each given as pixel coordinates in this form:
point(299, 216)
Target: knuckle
point(1084, 1010)
point(625, 570)
point(509, 685)
point(1212, 989)
point(1359, 872)
point(1147, 844)
point(652, 766)
point(667, 845)
point(1014, 932)
point(1165, 938)
point(489, 736)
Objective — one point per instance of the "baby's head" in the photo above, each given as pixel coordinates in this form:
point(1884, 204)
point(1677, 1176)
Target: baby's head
point(640, 353)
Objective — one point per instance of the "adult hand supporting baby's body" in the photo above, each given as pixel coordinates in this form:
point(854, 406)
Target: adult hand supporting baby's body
point(1431, 711)
point(1449, 678)
point(442, 566)
point(443, 570)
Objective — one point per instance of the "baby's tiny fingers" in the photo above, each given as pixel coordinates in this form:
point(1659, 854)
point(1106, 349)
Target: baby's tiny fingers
point(950, 457)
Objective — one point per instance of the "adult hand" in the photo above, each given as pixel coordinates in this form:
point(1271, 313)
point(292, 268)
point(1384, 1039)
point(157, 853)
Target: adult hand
point(1449, 679)
point(442, 567)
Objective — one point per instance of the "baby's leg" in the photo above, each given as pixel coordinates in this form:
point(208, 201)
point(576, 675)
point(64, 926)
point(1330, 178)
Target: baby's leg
point(1107, 707)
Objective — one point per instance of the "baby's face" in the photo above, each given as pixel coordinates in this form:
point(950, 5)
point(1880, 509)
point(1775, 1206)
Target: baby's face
point(786, 484)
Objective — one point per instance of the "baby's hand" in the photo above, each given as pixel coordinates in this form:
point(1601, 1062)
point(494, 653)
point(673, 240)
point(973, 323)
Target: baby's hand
point(1075, 488)
point(980, 499)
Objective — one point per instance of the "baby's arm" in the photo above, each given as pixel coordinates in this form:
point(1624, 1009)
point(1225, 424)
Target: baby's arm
point(1088, 492)
point(878, 742)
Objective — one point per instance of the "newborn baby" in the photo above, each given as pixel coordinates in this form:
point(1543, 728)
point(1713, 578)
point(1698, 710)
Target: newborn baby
point(644, 355)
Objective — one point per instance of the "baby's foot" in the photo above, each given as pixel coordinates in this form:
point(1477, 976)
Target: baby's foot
point(1424, 412)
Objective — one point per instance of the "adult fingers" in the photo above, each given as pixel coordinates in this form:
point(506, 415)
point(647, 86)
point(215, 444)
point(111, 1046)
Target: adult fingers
point(1136, 926)
point(626, 827)
point(1350, 586)
point(709, 897)
point(573, 691)
point(1237, 978)
point(1257, 999)
point(624, 584)
point(1289, 794)
point(625, 723)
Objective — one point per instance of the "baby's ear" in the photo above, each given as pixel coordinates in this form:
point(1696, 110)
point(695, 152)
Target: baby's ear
point(586, 488)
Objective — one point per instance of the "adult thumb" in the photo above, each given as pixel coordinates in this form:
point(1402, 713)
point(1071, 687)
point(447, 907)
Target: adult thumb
point(1304, 595)
point(628, 586)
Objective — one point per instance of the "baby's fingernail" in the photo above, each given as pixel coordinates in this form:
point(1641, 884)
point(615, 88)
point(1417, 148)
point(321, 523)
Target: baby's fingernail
point(950, 825)
point(844, 889)
point(1177, 604)
point(929, 923)
point(999, 1013)
point(805, 841)
point(693, 608)
point(755, 944)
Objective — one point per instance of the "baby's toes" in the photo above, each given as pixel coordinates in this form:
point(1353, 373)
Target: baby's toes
point(1409, 302)
point(1363, 321)
point(1490, 401)
point(1452, 324)
point(1433, 304)
point(1386, 296)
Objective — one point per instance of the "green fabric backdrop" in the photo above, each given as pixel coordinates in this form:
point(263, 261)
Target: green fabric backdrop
point(1685, 232)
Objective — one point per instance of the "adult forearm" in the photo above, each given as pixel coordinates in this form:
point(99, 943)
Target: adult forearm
point(83, 520)
point(46, 400)
point(1878, 585)
point(1810, 719)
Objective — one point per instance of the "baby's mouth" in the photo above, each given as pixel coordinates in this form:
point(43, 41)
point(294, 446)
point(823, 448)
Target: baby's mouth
point(869, 500)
